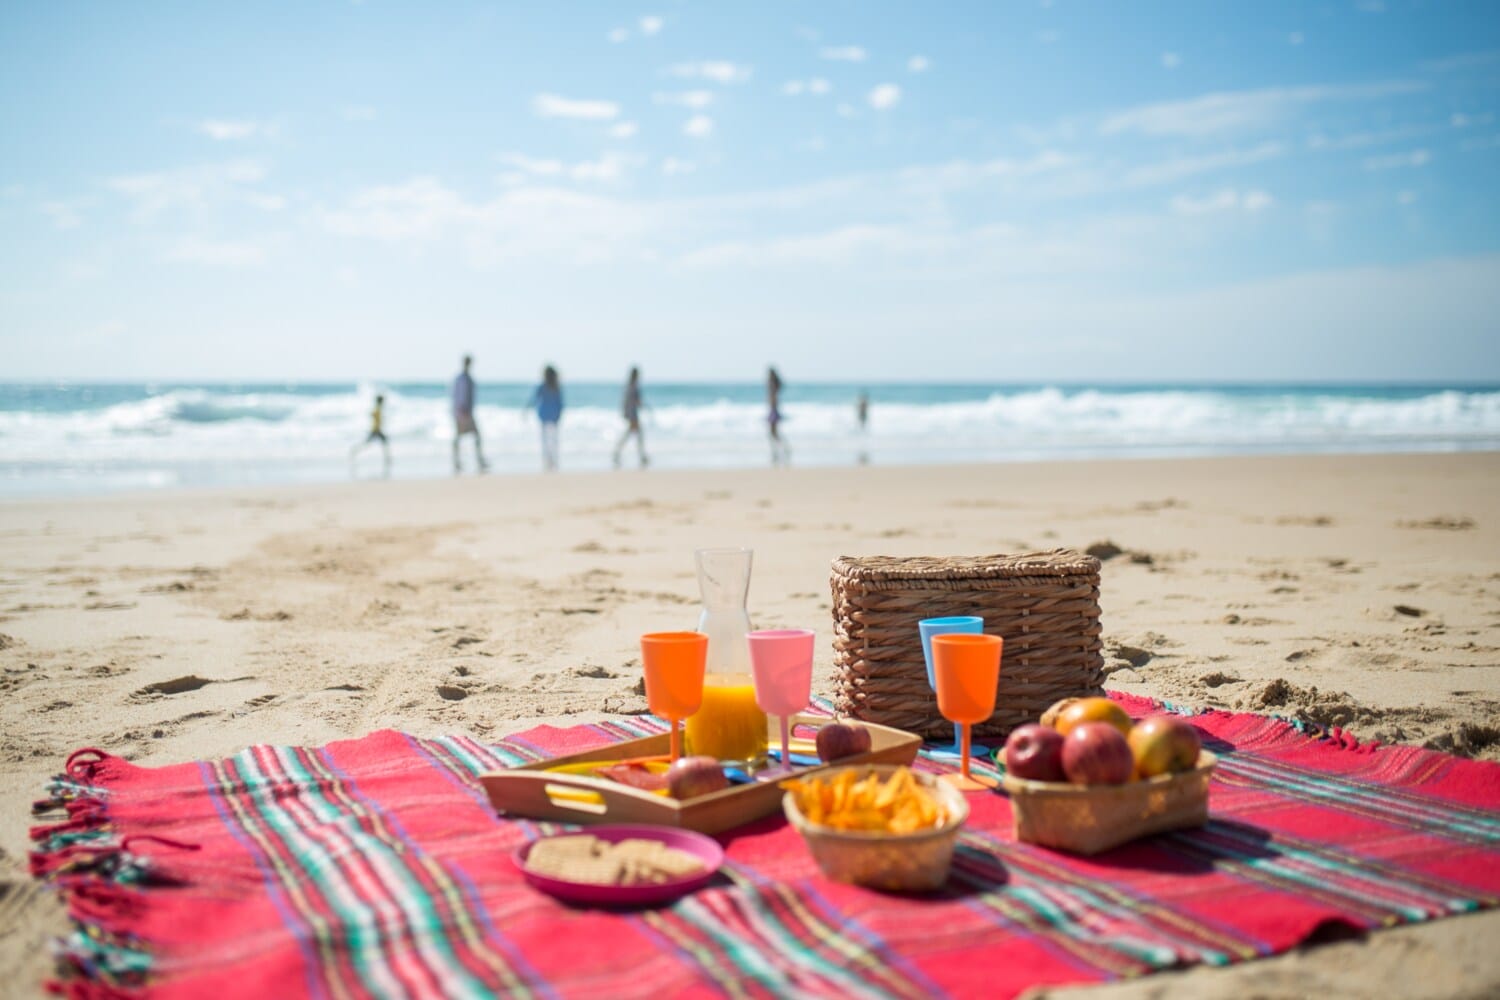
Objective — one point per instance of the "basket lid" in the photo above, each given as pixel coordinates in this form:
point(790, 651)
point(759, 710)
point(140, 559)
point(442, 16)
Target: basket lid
point(1058, 563)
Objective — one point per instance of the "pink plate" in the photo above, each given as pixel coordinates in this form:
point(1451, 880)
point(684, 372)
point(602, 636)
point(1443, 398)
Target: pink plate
point(705, 849)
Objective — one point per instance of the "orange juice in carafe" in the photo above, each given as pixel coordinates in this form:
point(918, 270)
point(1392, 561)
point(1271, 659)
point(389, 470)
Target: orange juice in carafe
point(729, 725)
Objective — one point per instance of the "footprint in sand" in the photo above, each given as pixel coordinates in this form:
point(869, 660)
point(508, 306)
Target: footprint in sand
point(177, 685)
point(1440, 524)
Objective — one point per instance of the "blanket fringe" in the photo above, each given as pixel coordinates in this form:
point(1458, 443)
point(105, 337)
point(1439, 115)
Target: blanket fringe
point(83, 858)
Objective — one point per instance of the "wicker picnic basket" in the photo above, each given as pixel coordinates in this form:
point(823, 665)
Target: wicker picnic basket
point(1044, 604)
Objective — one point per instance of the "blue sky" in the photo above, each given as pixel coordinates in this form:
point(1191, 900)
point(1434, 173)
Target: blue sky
point(974, 191)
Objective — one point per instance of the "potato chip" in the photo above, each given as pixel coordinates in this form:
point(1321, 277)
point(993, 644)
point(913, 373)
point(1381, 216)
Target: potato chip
point(898, 804)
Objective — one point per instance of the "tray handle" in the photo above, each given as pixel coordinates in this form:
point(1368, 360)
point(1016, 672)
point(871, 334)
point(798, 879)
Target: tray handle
point(569, 798)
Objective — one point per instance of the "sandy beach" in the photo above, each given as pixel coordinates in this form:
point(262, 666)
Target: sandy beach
point(1360, 591)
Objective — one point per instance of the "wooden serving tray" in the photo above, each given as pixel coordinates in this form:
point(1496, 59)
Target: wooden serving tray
point(531, 791)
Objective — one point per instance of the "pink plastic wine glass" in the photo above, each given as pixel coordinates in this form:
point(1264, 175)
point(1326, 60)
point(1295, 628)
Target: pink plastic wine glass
point(781, 666)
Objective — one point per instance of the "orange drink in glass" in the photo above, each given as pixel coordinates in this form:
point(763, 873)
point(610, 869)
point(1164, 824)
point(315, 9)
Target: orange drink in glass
point(967, 671)
point(674, 677)
point(729, 725)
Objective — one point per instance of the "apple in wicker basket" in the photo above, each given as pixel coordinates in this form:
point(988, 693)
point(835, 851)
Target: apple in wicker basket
point(1163, 744)
point(1034, 752)
point(1096, 753)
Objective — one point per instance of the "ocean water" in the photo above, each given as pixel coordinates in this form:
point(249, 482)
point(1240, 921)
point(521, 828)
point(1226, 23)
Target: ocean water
point(93, 438)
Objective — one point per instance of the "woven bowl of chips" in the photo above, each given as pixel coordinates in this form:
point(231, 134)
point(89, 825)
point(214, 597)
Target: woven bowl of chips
point(879, 825)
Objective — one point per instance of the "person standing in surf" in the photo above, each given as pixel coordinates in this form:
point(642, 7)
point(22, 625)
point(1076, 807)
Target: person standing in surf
point(463, 416)
point(630, 409)
point(781, 452)
point(547, 399)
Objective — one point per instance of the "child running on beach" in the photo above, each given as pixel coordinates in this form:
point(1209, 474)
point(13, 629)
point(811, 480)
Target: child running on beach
point(377, 433)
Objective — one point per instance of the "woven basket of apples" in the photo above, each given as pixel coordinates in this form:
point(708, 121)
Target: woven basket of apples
point(1086, 778)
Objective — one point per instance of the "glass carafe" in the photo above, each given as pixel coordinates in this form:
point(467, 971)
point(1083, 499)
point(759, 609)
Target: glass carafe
point(730, 726)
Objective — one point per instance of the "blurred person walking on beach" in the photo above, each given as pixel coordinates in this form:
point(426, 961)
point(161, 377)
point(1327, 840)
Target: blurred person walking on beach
point(781, 452)
point(630, 409)
point(377, 433)
point(548, 401)
point(463, 416)
point(862, 416)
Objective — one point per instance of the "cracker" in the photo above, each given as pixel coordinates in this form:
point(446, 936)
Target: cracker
point(634, 861)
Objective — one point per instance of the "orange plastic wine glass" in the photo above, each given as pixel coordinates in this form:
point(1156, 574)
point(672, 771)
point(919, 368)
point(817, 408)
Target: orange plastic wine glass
point(674, 677)
point(967, 669)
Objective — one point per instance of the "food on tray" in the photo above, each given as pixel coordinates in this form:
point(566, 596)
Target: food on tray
point(689, 777)
point(635, 775)
point(838, 740)
point(843, 801)
point(1092, 710)
point(1162, 744)
point(585, 858)
point(1095, 753)
point(1034, 752)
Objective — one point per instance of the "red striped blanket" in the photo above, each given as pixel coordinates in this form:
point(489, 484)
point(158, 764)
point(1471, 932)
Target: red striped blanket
point(375, 868)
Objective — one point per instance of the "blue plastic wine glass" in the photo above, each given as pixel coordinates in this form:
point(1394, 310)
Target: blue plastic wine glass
point(929, 627)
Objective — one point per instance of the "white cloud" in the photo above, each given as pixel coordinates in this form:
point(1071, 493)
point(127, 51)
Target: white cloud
point(1176, 168)
point(609, 167)
point(357, 113)
point(1396, 161)
point(717, 70)
point(519, 224)
point(618, 35)
point(63, 214)
point(817, 86)
point(1254, 201)
point(1360, 140)
point(696, 99)
point(1245, 109)
point(217, 253)
point(698, 126)
point(230, 130)
point(531, 165)
point(672, 166)
point(189, 187)
point(623, 130)
point(1226, 200)
point(1295, 38)
point(1463, 61)
point(651, 24)
point(1170, 60)
point(885, 96)
point(918, 64)
point(843, 53)
point(552, 106)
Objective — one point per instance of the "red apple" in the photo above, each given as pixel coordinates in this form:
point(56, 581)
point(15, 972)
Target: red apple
point(690, 777)
point(1095, 753)
point(1035, 752)
point(1164, 743)
point(838, 740)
